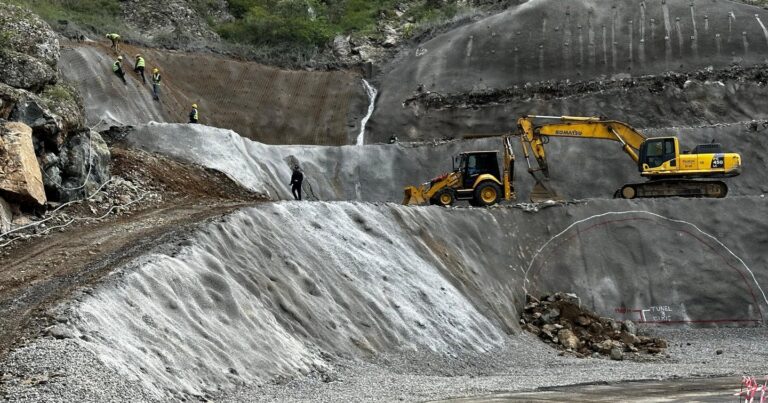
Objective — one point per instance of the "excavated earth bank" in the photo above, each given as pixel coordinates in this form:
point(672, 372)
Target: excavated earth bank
point(291, 288)
point(260, 102)
point(331, 289)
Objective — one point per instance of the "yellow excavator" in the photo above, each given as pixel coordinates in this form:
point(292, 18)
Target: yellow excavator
point(476, 177)
point(670, 170)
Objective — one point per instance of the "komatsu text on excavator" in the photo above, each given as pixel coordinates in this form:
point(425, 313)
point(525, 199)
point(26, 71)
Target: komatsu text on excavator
point(670, 171)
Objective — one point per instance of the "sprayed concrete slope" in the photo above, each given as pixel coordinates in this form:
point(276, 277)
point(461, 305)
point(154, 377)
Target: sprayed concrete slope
point(260, 102)
point(273, 289)
point(585, 40)
point(580, 169)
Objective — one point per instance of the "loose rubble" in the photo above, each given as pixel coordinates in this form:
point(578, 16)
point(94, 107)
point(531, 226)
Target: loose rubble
point(560, 321)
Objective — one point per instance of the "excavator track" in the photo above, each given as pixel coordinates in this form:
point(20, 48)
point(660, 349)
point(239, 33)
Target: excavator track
point(673, 188)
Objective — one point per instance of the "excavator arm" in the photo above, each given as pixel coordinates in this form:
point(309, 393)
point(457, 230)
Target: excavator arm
point(535, 130)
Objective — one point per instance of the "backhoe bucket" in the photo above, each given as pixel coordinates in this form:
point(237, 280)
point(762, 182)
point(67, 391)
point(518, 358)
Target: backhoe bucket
point(542, 191)
point(413, 195)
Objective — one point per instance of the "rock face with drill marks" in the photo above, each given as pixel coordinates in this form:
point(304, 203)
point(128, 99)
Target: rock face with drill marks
point(585, 40)
point(20, 177)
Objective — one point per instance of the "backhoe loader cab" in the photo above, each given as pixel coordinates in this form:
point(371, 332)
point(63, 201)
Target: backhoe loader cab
point(476, 177)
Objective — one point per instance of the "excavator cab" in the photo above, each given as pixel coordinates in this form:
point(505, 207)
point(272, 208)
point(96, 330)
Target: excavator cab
point(654, 152)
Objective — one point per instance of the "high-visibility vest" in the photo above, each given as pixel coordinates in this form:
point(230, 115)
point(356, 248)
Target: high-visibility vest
point(140, 62)
point(113, 36)
point(116, 66)
point(156, 78)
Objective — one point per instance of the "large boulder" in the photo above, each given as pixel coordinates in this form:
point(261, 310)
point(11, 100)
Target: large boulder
point(79, 169)
point(20, 176)
point(24, 32)
point(23, 71)
point(57, 111)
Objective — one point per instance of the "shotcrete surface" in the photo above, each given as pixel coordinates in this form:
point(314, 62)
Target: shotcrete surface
point(361, 292)
point(583, 41)
point(579, 168)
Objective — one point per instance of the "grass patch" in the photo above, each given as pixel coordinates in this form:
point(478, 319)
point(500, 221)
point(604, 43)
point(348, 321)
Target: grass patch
point(59, 94)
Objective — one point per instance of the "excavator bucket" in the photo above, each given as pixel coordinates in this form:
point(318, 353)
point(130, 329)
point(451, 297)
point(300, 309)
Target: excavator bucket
point(542, 191)
point(413, 195)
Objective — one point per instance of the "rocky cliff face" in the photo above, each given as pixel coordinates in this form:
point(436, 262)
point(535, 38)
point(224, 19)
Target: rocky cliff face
point(174, 21)
point(30, 93)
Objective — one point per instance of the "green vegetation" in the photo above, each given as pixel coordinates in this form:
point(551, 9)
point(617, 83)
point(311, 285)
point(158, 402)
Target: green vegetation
point(315, 22)
point(5, 39)
point(96, 15)
point(59, 94)
point(270, 30)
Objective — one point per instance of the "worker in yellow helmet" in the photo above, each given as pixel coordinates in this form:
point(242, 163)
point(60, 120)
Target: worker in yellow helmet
point(115, 38)
point(193, 115)
point(117, 68)
point(156, 84)
point(138, 68)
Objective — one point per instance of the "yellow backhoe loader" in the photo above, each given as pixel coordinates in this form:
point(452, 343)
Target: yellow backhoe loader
point(476, 177)
point(671, 171)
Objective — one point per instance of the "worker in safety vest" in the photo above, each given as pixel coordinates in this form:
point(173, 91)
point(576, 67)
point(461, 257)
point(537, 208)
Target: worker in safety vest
point(138, 68)
point(117, 68)
point(156, 84)
point(115, 38)
point(193, 116)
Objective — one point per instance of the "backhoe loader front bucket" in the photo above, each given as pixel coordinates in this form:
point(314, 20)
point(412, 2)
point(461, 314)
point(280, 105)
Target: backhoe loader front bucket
point(414, 195)
point(542, 191)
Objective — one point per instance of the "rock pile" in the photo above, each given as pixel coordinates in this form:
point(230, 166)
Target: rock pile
point(559, 320)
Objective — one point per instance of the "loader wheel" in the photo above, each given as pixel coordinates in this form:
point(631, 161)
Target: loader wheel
point(628, 192)
point(487, 194)
point(444, 198)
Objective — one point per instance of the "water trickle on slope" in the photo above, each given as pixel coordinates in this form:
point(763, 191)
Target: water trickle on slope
point(372, 92)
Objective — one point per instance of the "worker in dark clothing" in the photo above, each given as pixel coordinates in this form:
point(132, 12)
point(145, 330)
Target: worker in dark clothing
point(117, 68)
point(115, 38)
point(296, 180)
point(156, 84)
point(138, 68)
point(193, 115)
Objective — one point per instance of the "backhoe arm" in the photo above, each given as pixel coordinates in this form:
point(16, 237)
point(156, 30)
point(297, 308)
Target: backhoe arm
point(532, 135)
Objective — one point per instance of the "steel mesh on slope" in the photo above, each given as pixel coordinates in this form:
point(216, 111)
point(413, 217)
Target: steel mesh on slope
point(262, 103)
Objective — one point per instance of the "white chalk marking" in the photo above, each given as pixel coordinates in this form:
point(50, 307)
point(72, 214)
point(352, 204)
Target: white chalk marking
point(538, 251)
